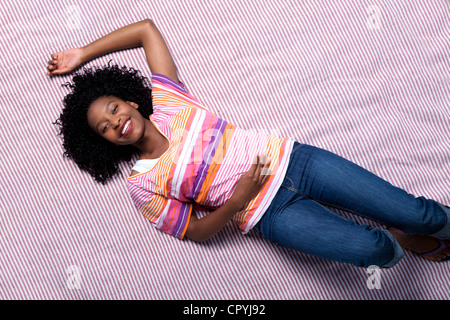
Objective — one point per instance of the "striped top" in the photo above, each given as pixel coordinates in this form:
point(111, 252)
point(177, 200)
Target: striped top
point(204, 161)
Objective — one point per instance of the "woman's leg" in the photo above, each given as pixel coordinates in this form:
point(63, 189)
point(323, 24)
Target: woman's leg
point(298, 223)
point(332, 180)
point(297, 220)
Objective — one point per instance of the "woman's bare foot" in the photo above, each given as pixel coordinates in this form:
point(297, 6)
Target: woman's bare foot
point(422, 245)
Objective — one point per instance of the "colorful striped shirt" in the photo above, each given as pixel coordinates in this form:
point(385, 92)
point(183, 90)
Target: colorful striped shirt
point(205, 159)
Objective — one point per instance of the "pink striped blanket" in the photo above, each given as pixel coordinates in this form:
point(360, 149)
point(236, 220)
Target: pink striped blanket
point(368, 80)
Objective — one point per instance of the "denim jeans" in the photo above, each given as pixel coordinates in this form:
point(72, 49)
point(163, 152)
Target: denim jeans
point(298, 219)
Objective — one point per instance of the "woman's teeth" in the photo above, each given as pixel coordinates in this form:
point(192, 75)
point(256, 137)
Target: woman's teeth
point(125, 127)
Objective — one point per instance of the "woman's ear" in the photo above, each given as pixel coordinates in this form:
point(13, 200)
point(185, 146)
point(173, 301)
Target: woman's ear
point(133, 104)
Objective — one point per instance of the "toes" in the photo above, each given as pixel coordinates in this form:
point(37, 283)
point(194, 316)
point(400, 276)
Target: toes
point(437, 257)
point(440, 255)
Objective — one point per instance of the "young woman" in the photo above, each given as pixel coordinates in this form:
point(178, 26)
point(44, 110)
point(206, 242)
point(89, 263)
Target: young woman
point(190, 160)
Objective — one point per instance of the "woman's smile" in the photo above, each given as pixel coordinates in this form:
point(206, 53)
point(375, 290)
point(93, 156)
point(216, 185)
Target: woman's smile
point(126, 128)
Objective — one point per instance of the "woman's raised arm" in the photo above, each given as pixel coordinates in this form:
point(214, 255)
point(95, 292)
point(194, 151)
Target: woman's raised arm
point(140, 34)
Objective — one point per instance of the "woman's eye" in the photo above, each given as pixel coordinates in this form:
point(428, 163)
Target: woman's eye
point(104, 128)
point(115, 108)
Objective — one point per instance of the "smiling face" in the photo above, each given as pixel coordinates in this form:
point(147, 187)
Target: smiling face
point(116, 120)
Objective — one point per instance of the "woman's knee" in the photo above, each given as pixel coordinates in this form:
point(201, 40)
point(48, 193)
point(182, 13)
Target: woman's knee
point(385, 252)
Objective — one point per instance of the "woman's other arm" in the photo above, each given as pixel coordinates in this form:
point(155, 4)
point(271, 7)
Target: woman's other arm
point(140, 34)
point(246, 189)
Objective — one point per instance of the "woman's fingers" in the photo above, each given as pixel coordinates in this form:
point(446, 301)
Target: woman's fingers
point(52, 64)
point(254, 166)
point(266, 176)
point(262, 171)
point(258, 167)
point(265, 171)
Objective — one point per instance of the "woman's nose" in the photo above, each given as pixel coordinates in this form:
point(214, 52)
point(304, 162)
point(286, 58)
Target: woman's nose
point(116, 122)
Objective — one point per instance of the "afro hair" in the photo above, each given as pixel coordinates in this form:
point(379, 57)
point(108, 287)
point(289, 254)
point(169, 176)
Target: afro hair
point(92, 153)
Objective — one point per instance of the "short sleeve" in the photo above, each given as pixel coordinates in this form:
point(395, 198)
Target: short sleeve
point(173, 217)
point(171, 96)
point(170, 216)
point(156, 77)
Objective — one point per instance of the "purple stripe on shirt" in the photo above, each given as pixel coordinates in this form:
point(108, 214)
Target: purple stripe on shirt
point(166, 80)
point(207, 158)
point(182, 220)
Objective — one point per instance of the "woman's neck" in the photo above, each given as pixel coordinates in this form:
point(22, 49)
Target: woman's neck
point(153, 144)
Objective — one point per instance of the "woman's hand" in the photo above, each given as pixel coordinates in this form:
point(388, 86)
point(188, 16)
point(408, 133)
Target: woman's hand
point(65, 61)
point(252, 181)
point(246, 189)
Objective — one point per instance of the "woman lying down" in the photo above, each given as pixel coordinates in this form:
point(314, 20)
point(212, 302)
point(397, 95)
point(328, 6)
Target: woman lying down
point(190, 159)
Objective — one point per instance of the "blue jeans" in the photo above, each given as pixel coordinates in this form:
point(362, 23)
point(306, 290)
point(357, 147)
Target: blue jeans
point(298, 219)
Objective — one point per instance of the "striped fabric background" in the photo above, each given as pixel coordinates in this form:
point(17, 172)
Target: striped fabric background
point(368, 80)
